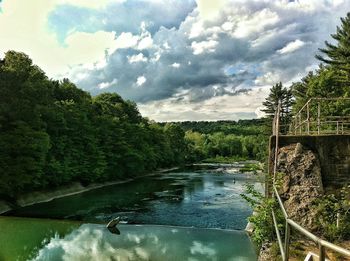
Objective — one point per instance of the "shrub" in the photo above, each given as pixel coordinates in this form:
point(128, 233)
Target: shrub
point(333, 215)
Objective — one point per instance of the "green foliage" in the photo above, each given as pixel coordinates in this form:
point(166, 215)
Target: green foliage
point(52, 133)
point(337, 55)
point(241, 127)
point(225, 146)
point(322, 83)
point(277, 94)
point(261, 219)
point(276, 252)
point(264, 230)
point(332, 78)
point(332, 209)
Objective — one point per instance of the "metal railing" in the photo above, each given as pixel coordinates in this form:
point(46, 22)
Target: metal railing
point(310, 119)
point(289, 223)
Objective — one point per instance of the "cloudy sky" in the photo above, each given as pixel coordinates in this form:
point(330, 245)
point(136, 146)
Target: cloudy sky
point(178, 59)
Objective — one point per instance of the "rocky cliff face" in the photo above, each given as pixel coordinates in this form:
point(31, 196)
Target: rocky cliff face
point(301, 186)
point(301, 182)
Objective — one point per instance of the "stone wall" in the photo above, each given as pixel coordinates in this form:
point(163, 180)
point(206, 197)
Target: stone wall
point(333, 152)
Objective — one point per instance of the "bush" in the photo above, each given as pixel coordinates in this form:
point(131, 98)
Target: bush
point(333, 215)
point(262, 218)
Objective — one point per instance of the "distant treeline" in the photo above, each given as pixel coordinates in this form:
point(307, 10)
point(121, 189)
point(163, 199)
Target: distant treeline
point(245, 139)
point(53, 133)
point(240, 127)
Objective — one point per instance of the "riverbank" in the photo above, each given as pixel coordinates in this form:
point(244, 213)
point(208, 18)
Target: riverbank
point(67, 190)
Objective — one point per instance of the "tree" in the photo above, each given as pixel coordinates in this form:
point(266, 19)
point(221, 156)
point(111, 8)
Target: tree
point(53, 133)
point(278, 93)
point(300, 91)
point(338, 55)
point(23, 141)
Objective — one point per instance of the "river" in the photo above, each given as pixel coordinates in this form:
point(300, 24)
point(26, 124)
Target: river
point(194, 214)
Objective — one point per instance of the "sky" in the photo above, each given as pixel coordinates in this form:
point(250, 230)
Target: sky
point(177, 59)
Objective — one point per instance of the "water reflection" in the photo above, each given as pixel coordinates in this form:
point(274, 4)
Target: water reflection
point(94, 242)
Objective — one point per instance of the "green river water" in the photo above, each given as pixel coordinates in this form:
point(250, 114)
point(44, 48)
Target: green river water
point(183, 215)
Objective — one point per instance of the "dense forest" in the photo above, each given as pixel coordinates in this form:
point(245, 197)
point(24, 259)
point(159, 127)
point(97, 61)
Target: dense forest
point(53, 133)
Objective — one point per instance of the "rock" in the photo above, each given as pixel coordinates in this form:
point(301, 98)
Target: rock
point(250, 226)
point(298, 150)
point(266, 253)
point(301, 183)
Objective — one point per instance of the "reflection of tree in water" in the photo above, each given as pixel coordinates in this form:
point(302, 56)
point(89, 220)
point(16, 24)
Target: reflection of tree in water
point(187, 198)
point(125, 197)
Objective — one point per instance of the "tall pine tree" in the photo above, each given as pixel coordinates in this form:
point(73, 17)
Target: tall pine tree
point(338, 54)
point(278, 93)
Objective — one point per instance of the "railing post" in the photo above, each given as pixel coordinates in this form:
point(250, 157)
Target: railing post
point(308, 118)
point(322, 252)
point(337, 127)
point(277, 128)
point(318, 117)
point(286, 241)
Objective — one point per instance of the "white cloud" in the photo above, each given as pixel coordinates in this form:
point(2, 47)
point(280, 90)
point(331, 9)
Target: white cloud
point(227, 107)
point(141, 80)
point(269, 78)
point(126, 40)
point(255, 22)
point(129, 40)
point(88, 3)
point(209, 9)
point(105, 85)
point(204, 46)
point(145, 43)
point(228, 26)
point(156, 57)
point(176, 65)
point(137, 58)
point(166, 46)
point(291, 47)
point(196, 30)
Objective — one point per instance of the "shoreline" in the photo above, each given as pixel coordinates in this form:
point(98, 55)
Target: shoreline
point(42, 196)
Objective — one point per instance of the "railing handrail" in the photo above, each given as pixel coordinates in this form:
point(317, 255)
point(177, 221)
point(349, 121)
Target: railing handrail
point(303, 120)
point(321, 242)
